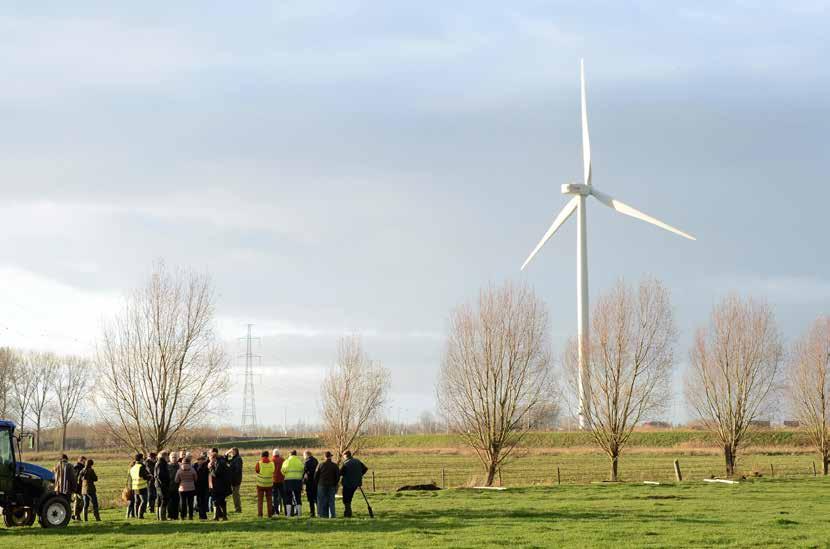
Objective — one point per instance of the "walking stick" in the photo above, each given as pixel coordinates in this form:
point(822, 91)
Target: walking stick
point(371, 513)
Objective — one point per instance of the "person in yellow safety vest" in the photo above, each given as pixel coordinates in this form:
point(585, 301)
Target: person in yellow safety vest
point(139, 477)
point(264, 469)
point(293, 469)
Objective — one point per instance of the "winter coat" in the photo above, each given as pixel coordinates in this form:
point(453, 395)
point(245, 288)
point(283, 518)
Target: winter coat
point(327, 474)
point(278, 476)
point(162, 475)
point(309, 467)
point(202, 480)
point(65, 480)
point(351, 473)
point(172, 469)
point(292, 468)
point(220, 477)
point(236, 470)
point(78, 467)
point(150, 464)
point(186, 477)
point(88, 478)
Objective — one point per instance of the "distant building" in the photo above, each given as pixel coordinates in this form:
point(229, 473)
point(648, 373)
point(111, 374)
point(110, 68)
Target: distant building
point(764, 424)
point(657, 424)
point(791, 423)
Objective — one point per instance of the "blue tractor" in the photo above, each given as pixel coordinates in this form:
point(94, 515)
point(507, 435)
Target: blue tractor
point(27, 491)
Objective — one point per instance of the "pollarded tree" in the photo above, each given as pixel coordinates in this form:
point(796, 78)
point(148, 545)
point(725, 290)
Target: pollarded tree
point(735, 366)
point(42, 368)
point(496, 372)
point(161, 367)
point(630, 363)
point(8, 364)
point(73, 380)
point(23, 387)
point(809, 382)
point(353, 393)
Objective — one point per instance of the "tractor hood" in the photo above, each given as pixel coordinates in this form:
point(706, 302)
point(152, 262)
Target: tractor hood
point(35, 471)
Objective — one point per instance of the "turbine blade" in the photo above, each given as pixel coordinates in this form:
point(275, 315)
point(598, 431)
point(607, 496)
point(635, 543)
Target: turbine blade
point(586, 139)
point(561, 218)
point(615, 204)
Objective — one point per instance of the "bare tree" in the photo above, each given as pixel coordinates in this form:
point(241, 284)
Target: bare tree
point(161, 368)
point(354, 391)
point(496, 371)
point(809, 382)
point(629, 364)
point(42, 367)
point(22, 390)
point(72, 382)
point(8, 364)
point(735, 365)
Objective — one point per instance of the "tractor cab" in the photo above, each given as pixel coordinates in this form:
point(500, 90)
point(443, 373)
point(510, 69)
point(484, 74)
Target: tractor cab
point(27, 490)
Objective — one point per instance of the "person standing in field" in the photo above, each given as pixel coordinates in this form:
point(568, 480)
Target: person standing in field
point(88, 478)
point(202, 486)
point(264, 469)
point(326, 478)
point(279, 482)
point(65, 479)
point(309, 467)
point(236, 479)
point(150, 464)
point(292, 470)
point(220, 485)
point(173, 487)
point(161, 476)
point(77, 498)
point(186, 477)
point(351, 473)
point(139, 477)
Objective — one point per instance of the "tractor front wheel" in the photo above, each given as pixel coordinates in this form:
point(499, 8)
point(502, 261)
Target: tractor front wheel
point(18, 516)
point(55, 513)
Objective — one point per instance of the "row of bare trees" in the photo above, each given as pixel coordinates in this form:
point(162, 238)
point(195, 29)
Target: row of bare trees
point(497, 371)
point(44, 389)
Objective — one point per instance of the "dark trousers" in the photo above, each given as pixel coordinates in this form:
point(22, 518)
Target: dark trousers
point(91, 500)
point(293, 495)
point(279, 497)
point(161, 503)
point(140, 502)
point(220, 509)
point(202, 503)
point(311, 496)
point(131, 505)
point(348, 494)
point(186, 504)
point(173, 505)
point(151, 494)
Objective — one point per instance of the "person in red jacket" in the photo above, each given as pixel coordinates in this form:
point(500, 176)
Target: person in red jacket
point(279, 482)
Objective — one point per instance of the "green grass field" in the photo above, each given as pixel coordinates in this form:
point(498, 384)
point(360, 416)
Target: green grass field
point(786, 512)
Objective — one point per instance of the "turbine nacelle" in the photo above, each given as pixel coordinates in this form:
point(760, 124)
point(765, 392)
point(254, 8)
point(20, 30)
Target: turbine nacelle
point(576, 188)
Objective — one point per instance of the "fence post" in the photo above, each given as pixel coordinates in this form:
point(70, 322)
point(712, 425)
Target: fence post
point(677, 474)
point(443, 478)
point(558, 476)
point(373, 481)
point(815, 473)
point(771, 470)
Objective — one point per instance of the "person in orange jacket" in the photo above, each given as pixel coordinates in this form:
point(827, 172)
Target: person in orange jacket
point(278, 482)
point(264, 469)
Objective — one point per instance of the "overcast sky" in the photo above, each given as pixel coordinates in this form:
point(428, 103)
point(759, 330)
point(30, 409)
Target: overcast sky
point(352, 166)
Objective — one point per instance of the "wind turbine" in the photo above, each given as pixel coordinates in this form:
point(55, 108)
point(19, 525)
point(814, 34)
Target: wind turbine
point(581, 192)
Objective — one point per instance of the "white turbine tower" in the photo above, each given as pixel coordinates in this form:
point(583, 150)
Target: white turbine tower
point(578, 203)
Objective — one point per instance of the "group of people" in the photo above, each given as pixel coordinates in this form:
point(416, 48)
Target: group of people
point(279, 483)
point(78, 483)
point(174, 486)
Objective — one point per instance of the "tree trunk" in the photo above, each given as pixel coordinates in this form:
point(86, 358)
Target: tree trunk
point(826, 462)
point(63, 438)
point(729, 458)
point(614, 461)
point(491, 474)
point(37, 437)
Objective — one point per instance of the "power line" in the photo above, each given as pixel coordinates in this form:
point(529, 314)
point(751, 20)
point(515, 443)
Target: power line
point(249, 424)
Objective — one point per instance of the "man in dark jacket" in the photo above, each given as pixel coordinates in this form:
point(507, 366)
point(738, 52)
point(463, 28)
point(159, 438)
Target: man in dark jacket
point(202, 486)
point(161, 476)
point(77, 498)
point(173, 487)
point(351, 473)
point(220, 484)
point(310, 464)
point(150, 464)
point(326, 477)
point(236, 478)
